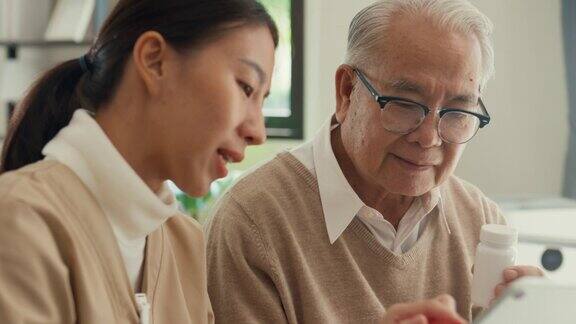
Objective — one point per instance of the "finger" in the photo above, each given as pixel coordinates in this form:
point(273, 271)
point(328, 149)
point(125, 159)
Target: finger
point(527, 271)
point(418, 319)
point(499, 289)
point(510, 274)
point(447, 300)
point(430, 309)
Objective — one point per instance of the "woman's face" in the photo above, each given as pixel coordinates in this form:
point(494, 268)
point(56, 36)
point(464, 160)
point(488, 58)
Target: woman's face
point(210, 107)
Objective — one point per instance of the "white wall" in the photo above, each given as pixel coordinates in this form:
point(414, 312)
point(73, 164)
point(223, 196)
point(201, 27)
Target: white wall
point(522, 150)
point(326, 29)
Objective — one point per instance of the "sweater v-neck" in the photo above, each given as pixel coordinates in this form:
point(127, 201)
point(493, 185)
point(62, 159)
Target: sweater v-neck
point(357, 228)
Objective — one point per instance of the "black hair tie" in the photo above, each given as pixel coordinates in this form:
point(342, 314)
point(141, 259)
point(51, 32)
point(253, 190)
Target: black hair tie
point(85, 64)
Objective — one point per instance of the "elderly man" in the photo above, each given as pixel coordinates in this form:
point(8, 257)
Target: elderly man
point(368, 214)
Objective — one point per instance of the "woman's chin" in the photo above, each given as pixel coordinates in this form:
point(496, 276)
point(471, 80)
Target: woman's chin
point(195, 188)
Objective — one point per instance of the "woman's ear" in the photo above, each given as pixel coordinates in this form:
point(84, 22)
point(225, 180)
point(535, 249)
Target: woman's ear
point(149, 55)
point(344, 87)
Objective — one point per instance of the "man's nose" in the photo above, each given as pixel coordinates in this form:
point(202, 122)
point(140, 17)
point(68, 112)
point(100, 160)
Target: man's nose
point(426, 135)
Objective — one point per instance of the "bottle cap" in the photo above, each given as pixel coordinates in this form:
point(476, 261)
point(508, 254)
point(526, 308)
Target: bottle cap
point(499, 234)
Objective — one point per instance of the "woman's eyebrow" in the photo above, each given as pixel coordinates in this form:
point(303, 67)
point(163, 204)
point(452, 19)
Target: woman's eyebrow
point(257, 68)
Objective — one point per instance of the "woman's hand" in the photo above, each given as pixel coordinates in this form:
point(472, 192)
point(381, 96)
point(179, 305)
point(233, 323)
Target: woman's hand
point(439, 310)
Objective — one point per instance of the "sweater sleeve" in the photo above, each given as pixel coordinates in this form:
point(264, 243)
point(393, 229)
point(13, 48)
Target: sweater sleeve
point(34, 280)
point(240, 274)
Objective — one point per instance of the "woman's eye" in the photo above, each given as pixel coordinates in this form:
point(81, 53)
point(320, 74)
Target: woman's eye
point(248, 90)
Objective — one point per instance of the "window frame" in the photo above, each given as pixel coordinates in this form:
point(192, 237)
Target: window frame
point(292, 127)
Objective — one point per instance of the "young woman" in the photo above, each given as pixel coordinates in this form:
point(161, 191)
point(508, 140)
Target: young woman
point(89, 233)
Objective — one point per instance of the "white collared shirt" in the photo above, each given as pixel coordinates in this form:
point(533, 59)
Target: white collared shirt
point(341, 204)
point(132, 208)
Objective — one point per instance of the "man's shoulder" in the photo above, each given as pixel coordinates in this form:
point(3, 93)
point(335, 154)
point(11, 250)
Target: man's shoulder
point(280, 187)
point(463, 189)
point(468, 199)
point(282, 175)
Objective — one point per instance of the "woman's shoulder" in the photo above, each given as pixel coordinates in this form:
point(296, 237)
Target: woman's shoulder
point(33, 182)
point(184, 227)
point(47, 189)
point(27, 202)
point(47, 200)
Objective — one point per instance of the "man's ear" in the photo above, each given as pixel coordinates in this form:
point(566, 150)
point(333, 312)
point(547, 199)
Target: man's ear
point(149, 56)
point(345, 80)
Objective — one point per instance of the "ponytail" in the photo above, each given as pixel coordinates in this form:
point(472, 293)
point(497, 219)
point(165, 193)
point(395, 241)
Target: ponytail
point(45, 110)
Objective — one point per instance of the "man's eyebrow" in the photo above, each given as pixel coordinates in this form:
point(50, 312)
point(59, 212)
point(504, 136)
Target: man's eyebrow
point(465, 99)
point(406, 86)
point(403, 85)
point(257, 68)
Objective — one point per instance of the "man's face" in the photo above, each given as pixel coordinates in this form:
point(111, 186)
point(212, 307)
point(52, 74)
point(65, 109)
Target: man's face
point(425, 64)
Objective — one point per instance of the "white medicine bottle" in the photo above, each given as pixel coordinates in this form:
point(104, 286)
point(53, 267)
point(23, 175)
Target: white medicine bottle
point(496, 251)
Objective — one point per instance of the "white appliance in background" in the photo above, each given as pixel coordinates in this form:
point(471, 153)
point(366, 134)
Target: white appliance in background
point(24, 20)
point(547, 234)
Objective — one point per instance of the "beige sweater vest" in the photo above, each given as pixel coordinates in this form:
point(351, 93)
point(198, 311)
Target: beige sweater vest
point(270, 259)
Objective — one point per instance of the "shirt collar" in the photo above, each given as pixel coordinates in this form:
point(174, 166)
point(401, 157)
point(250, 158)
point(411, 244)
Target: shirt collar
point(132, 208)
point(340, 203)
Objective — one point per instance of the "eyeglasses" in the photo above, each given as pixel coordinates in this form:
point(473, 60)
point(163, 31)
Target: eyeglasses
point(403, 116)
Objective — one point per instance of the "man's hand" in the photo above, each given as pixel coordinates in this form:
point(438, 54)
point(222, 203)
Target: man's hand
point(440, 310)
point(514, 273)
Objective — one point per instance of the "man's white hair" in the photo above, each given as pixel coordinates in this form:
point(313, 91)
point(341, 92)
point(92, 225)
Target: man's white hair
point(369, 26)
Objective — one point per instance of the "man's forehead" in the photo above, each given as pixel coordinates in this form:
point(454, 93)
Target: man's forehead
point(455, 91)
point(421, 47)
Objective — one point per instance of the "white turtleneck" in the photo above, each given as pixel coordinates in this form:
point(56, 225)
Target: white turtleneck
point(132, 208)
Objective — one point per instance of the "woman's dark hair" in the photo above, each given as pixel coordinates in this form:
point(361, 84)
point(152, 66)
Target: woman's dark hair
point(91, 82)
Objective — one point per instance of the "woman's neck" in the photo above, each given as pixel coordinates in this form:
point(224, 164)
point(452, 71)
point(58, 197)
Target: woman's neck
point(125, 130)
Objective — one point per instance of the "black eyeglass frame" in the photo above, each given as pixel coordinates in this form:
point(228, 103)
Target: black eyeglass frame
point(383, 100)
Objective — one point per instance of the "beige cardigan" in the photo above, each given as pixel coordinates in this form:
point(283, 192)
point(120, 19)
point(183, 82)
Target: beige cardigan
point(60, 261)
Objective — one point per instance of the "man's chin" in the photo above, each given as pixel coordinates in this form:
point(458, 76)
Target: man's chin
point(411, 189)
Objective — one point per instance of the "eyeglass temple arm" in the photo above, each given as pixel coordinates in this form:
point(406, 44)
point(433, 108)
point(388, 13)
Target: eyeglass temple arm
point(487, 117)
point(362, 78)
point(483, 107)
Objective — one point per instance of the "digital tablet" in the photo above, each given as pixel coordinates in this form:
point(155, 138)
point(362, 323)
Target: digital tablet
point(533, 301)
